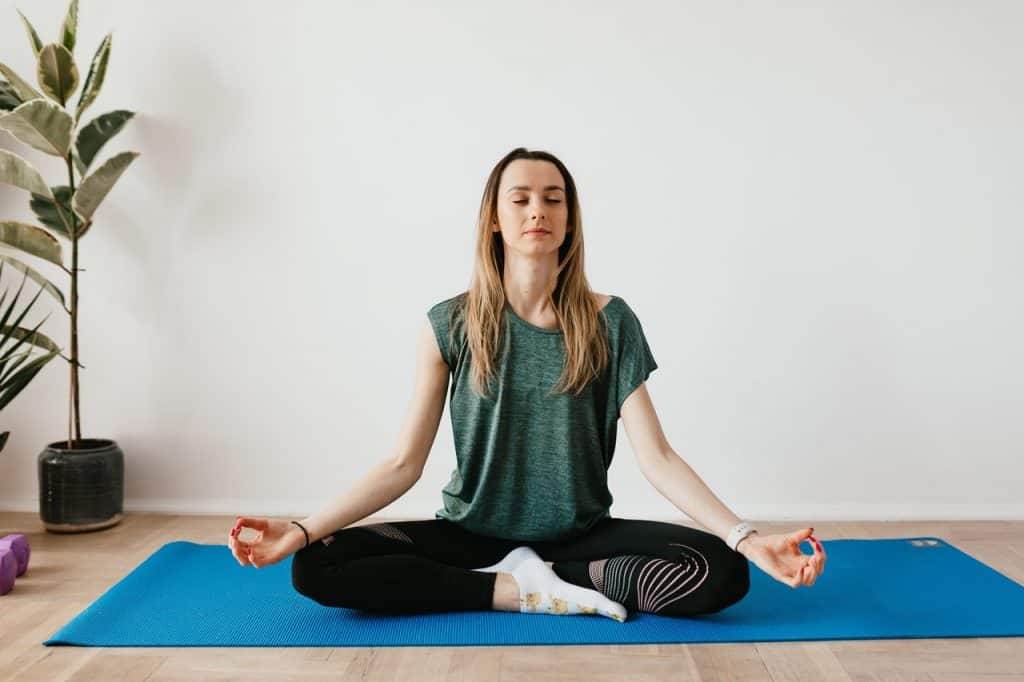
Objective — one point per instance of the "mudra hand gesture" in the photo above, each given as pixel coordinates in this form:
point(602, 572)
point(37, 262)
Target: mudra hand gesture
point(276, 540)
point(780, 557)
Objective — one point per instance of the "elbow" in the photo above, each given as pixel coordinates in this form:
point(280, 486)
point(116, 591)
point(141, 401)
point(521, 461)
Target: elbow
point(407, 470)
point(653, 461)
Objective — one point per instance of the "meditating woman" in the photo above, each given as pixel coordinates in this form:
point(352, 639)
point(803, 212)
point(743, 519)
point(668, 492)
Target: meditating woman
point(541, 370)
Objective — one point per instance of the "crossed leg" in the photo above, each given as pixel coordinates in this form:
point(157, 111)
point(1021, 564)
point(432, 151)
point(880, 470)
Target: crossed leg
point(653, 566)
point(427, 566)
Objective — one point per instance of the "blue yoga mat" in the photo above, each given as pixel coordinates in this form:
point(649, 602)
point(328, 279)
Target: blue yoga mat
point(188, 594)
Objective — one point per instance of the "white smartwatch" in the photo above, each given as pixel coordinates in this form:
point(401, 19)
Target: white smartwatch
point(739, 531)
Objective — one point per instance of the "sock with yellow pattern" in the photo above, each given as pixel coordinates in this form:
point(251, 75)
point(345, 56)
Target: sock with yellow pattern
point(542, 591)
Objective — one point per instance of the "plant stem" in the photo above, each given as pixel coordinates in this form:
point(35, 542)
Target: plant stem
point(74, 311)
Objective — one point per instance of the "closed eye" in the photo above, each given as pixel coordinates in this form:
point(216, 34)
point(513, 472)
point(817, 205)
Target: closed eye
point(552, 201)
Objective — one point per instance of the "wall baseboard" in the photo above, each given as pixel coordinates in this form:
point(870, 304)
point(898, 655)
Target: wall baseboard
point(424, 508)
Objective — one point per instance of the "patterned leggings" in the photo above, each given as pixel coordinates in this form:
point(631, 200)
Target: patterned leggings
point(425, 566)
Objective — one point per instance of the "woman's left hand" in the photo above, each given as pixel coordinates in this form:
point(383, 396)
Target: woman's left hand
point(780, 557)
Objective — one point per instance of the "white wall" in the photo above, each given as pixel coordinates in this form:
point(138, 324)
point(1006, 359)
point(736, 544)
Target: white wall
point(815, 209)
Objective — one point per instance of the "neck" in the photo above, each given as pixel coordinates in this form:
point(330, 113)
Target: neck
point(529, 283)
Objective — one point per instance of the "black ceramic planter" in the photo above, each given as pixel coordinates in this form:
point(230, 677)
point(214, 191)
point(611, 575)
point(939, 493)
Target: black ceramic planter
point(81, 488)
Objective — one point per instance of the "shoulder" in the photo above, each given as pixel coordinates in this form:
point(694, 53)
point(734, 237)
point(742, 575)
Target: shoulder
point(447, 305)
point(613, 307)
point(602, 300)
point(622, 320)
point(446, 315)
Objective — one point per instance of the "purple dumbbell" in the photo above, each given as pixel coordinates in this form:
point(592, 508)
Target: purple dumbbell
point(8, 569)
point(18, 544)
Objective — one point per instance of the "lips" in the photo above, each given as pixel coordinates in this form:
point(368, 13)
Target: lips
point(538, 232)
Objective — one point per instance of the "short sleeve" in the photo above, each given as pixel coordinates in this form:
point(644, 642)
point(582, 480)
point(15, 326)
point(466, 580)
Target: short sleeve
point(635, 360)
point(439, 321)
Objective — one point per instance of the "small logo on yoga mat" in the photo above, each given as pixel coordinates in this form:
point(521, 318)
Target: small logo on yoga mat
point(924, 543)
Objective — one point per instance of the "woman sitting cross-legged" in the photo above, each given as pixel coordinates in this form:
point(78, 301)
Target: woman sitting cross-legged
point(540, 369)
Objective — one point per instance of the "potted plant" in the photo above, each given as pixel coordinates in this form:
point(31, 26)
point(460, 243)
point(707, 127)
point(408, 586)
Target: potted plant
point(13, 377)
point(81, 480)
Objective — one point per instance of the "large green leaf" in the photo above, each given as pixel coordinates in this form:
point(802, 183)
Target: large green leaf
point(12, 379)
point(16, 383)
point(96, 186)
point(39, 279)
point(14, 360)
point(69, 28)
point(55, 213)
point(10, 330)
point(34, 338)
point(8, 97)
point(33, 240)
point(7, 315)
point(33, 37)
point(40, 124)
point(25, 91)
point(57, 72)
point(16, 171)
point(93, 136)
point(97, 72)
point(79, 164)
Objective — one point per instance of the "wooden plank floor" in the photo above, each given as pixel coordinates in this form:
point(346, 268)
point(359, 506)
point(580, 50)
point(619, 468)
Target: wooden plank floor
point(68, 572)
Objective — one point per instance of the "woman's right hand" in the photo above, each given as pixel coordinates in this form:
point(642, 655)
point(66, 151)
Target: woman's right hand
point(275, 541)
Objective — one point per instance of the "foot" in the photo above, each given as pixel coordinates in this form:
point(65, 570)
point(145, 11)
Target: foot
point(542, 591)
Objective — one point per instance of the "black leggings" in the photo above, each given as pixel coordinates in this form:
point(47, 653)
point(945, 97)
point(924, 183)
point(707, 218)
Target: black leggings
point(425, 566)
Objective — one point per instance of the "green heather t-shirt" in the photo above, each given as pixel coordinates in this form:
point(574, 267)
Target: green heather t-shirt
point(533, 466)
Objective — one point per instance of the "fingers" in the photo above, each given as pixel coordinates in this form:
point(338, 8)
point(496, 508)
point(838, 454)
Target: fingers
point(802, 576)
point(818, 549)
point(810, 566)
point(254, 523)
point(242, 551)
point(817, 560)
point(808, 573)
point(812, 569)
point(800, 535)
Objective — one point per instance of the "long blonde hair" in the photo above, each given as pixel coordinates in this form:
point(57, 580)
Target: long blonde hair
point(482, 306)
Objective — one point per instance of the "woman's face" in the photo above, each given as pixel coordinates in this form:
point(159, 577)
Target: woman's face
point(531, 196)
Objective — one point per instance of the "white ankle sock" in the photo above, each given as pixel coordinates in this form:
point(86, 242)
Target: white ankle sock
point(542, 591)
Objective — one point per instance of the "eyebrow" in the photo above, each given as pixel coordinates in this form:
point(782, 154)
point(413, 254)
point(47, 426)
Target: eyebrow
point(512, 189)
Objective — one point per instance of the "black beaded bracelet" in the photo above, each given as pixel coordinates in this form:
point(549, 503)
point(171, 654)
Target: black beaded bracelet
point(303, 532)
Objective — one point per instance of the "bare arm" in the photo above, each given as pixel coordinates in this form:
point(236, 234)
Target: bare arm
point(394, 476)
point(668, 472)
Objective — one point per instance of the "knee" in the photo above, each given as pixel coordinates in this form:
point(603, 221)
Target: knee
point(319, 573)
point(727, 581)
point(307, 574)
point(739, 584)
point(734, 584)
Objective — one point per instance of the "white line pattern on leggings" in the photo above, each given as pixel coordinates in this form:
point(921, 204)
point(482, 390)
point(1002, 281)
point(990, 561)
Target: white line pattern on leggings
point(596, 569)
point(388, 531)
point(658, 582)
